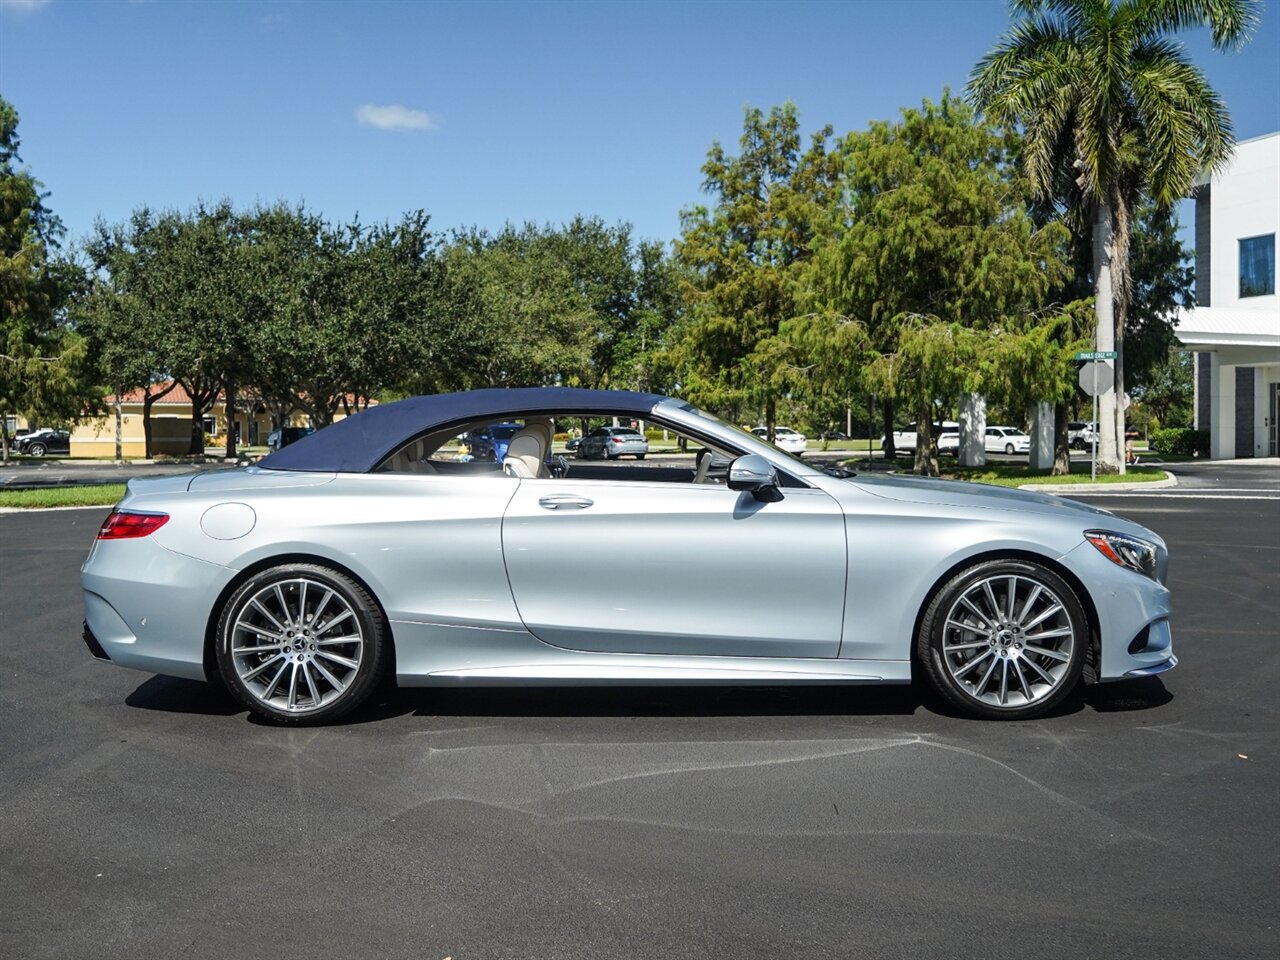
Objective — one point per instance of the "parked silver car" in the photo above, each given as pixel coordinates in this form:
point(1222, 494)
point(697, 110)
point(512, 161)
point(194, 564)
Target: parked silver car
point(609, 443)
point(359, 550)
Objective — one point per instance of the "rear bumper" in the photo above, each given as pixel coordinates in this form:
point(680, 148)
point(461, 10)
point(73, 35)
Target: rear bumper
point(92, 643)
point(147, 607)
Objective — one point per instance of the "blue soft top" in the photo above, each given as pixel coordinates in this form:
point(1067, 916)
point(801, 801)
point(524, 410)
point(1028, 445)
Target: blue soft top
point(360, 442)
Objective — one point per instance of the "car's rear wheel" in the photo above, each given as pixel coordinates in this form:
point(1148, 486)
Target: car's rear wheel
point(1004, 639)
point(37, 450)
point(639, 456)
point(300, 644)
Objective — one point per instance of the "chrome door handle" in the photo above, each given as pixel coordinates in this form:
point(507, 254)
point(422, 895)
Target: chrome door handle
point(554, 501)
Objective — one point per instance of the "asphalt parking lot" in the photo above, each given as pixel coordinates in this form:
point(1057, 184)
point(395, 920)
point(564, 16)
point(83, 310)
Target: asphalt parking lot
point(148, 817)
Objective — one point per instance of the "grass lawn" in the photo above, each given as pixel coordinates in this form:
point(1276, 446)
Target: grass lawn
point(1015, 475)
point(105, 495)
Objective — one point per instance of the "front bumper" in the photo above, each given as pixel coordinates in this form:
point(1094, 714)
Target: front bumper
point(1133, 616)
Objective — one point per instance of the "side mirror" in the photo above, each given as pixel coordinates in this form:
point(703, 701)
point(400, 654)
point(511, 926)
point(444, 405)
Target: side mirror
point(756, 475)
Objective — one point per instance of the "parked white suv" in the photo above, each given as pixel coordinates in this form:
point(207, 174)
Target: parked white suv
point(948, 438)
point(1081, 434)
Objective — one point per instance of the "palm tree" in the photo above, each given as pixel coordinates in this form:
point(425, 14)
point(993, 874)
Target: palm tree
point(1112, 108)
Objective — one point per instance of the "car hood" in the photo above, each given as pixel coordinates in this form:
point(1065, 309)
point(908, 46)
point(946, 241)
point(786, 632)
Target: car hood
point(963, 493)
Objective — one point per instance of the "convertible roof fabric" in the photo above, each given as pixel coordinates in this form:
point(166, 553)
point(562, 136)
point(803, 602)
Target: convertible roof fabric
point(359, 443)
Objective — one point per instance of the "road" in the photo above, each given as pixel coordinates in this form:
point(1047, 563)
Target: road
point(148, 817)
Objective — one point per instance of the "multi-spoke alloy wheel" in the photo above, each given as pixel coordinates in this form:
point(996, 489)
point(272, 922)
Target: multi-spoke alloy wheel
point(1004, 639)
point(300, 644)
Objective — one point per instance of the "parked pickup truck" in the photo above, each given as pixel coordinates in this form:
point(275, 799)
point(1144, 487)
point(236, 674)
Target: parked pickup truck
point(947, 437)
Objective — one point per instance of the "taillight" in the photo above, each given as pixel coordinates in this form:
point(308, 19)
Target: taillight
point(126, 526)
point(617, 439)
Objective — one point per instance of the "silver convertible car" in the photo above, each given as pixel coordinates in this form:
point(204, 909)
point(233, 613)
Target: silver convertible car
point(370, 549)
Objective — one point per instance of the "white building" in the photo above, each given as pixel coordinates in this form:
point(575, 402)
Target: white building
point(1234, 328)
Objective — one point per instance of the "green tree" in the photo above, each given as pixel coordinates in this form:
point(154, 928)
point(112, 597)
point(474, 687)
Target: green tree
point(126, 319)
point(41, 357)
point(1112, 107)
point(745, 252)
point(933, 244)
point(510, 313)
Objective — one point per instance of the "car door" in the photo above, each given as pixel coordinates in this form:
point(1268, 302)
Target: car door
point(621, 566)
point(994, 442)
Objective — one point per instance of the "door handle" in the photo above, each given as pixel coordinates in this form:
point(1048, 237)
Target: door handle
point(554, 501)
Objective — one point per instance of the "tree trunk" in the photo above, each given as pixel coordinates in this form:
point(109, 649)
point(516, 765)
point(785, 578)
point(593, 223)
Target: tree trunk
point(886, 412)
point(1120, 410)
point(4, 439)
point(148, 440)
point(926, 454)
point(1105, 330)
point(1061, 446)
point(229, 412)
point(119, 424)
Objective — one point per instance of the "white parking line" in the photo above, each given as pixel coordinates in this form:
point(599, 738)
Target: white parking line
point(1260, 495)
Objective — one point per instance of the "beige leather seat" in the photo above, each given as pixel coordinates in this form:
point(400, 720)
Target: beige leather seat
point(704, 466)
point(412, 458)
point(527, 452)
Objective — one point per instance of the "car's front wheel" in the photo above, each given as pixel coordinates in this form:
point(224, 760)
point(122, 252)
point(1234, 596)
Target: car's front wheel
point(1008, 449)
point(300, 644)
point(1004, 639)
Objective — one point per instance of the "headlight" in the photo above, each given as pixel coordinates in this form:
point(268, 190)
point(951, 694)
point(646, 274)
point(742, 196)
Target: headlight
point(1138, 555)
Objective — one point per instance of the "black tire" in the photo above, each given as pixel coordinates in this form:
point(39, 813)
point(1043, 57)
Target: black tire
point(934, 627)
point(639, 456)
point(37, 450)
point(1008, 449)
point(334, 702)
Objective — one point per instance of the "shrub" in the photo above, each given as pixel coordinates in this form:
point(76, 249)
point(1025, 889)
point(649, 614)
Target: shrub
point(1181, 441)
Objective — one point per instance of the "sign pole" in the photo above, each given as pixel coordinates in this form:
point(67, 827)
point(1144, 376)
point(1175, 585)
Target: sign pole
point(1093, 461)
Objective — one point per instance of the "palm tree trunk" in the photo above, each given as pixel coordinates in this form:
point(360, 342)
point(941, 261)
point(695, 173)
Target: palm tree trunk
point(1105, 330)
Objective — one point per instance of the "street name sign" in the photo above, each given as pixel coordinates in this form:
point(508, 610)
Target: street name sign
point(1096, 355)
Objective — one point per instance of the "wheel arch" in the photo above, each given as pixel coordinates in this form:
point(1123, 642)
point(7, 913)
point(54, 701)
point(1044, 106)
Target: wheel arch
point(209, 654)
point(1094, 652)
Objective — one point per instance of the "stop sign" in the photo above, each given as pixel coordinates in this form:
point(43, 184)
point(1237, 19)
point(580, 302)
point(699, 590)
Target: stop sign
point(1097, 377)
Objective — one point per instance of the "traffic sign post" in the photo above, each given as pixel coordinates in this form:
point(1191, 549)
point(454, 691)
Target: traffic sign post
point(1096, 378)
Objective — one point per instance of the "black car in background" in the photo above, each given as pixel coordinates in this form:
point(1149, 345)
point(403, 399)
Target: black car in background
point(40, 443)
point(287, 435)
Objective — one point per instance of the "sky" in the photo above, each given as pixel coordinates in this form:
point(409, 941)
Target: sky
point(480, 113)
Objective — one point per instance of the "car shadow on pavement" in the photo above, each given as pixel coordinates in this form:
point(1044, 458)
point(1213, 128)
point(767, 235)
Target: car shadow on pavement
point(174, 695)
point(1122, 696)
point(639, 701)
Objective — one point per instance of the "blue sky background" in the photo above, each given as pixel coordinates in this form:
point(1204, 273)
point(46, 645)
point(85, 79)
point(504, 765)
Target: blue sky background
point(511, 111)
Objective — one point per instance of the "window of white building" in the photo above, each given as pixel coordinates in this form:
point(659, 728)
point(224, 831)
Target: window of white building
point(1258, 266)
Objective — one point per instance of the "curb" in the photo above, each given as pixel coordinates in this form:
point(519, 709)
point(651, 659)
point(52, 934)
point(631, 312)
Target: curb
point(100, 506)
point(1169, 481)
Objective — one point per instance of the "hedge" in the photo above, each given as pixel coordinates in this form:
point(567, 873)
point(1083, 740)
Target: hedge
point(1181, 441)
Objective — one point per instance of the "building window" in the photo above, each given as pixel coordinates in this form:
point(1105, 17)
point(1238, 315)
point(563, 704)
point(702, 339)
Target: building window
point(1258, 266)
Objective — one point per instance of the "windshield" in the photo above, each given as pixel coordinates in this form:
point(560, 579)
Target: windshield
point(757, 435)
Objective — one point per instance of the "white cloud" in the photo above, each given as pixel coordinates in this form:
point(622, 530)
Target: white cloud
point(393, 117)
point(24, 6)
